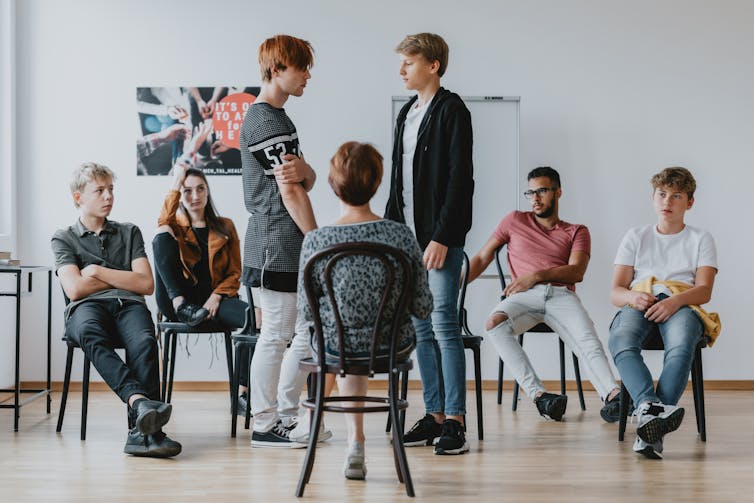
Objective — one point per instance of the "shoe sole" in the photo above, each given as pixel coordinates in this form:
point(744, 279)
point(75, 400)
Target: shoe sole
point(451, 452)
point(649, 453)
point(356, 471)
point(143, 452)
point(657, 428)
point(277, 445)
point(153, 420)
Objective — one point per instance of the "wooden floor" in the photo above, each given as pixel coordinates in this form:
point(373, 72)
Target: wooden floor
point(523, 458)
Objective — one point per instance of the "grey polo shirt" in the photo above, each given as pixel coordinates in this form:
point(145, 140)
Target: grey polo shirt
point(115, 247)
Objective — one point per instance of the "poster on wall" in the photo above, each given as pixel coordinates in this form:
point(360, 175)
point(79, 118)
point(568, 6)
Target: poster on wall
point(196, 125)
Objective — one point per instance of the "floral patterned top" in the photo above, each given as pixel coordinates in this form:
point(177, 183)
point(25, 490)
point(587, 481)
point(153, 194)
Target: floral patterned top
point(358, 282)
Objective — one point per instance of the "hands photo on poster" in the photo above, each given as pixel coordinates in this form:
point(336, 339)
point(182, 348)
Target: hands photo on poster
point(197, 126)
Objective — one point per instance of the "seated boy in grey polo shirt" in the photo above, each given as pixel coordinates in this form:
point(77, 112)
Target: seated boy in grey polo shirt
point(105, 274)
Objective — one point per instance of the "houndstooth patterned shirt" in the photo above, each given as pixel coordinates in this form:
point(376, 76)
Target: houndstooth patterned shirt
point(273, 240)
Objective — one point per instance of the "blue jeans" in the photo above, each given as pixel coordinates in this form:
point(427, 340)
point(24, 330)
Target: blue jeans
point(680, 335)
point(439, 348)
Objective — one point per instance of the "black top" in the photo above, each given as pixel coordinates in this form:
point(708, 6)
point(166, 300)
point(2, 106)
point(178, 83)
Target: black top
point(201, 268)
point(443, 172)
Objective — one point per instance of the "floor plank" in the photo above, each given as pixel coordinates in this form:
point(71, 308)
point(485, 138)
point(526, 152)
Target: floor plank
point(523, 457)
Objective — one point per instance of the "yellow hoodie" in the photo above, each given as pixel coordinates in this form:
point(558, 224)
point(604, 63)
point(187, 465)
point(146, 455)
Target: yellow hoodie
point(711, 321)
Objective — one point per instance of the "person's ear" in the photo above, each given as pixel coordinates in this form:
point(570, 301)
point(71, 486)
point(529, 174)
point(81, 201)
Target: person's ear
point(77, 198)
point(690, 203)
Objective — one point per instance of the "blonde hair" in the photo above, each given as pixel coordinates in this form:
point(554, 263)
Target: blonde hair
point(431, 46)
point(282, 51)
point(676, 178)
point(87, 172)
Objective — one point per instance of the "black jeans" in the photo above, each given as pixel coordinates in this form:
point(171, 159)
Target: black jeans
point(98, 326)
point(170, 284)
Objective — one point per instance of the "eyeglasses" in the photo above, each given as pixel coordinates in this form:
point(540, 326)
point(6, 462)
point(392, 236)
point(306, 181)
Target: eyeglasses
point(539, 192)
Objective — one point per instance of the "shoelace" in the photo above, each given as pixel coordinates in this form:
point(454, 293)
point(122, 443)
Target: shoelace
point(280, 430)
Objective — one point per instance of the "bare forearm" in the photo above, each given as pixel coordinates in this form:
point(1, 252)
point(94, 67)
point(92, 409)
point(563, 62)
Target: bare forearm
point(132, 281)
point(477, 265)
point(620, 296)
point(695, 296)
point(567, 274)
point(297, 202)
point(309, 180)
point(84, 287)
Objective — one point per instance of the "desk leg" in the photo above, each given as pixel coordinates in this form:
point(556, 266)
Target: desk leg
point(17, 388)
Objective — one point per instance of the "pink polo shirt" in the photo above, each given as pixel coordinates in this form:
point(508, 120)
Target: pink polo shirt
point(533, 248)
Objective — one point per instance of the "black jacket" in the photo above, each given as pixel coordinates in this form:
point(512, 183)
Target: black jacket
point(443, 172)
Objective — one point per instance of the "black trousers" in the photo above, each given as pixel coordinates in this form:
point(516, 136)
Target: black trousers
point(99, 325)
point(171, 284)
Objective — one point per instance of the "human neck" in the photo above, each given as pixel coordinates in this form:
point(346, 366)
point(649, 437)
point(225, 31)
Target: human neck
point(548, 222)
point(426, 93)
point(355, 214)
point(272, 94)
point(666, 227)
point(93, 223)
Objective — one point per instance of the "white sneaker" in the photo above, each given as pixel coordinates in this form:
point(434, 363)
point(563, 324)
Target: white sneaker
point(651, 451)
point(300, 433)
point(355, 467)
point(657, 420)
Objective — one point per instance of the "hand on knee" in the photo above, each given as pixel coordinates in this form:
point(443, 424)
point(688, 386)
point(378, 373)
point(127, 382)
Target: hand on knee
point(495, 319)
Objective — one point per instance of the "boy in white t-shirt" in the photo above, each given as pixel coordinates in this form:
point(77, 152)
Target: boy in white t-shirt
point(663, 273)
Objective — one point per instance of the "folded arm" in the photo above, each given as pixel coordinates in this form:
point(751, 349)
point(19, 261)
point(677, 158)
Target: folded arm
point(569, 274)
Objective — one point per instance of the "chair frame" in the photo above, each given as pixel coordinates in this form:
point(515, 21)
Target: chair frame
point(321, 366)
point(539, 328)
point(654, 343)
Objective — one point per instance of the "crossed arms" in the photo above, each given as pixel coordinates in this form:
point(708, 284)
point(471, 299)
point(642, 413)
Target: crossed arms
point(80, 283)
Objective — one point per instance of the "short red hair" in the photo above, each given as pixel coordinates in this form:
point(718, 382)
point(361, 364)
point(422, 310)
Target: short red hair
point(282, 51)
point(355, 172)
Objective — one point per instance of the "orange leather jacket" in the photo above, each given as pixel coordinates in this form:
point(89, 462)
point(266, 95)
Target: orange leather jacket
point(224, 250)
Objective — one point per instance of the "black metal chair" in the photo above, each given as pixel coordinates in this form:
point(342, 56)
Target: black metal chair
point(539, 328)
point(84, 385)
point(377, 362)
point(246, 339)
point(471, 342)
point(654, 342)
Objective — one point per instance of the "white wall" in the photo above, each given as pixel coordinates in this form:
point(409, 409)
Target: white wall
point(611, 92)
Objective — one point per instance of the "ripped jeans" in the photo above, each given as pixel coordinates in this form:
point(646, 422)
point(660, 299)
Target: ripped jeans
point(562, 311)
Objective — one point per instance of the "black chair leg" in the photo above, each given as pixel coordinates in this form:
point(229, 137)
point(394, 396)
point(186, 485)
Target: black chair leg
point(171, 373)
point(698, 374)
point(478, 386)
point(399, 449)
point(500, 381)
point(85, 397)
point(561, 351)
point(247, 422)
point(623, 412)
point(229, 361)
point(404, 394)
point(579, 387)
point(234, 393)
point(514, 407)
point(66, 384)
point(165, 363)
point(306, 470)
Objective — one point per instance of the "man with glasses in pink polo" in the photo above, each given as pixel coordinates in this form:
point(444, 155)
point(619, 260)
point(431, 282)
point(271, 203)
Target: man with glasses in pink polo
point(547, 257)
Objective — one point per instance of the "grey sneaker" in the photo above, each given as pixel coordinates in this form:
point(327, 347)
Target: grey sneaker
point(657, 420)
point(651, 451)
point(276, 437)
point(300, 432)
point(355, 467)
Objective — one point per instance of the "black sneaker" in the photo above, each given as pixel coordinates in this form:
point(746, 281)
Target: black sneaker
point(452, 439)
point(150, 415)
point(191, 314)
point(155, 445)
point(551, 406)
point(610, 412)
point(423, 432)
point(277, 437)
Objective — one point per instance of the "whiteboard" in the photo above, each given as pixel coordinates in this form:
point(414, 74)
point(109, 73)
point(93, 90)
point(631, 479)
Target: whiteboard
point(497, 184)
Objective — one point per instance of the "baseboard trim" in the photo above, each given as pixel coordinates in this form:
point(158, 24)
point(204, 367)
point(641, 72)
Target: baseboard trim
point(713, 385)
